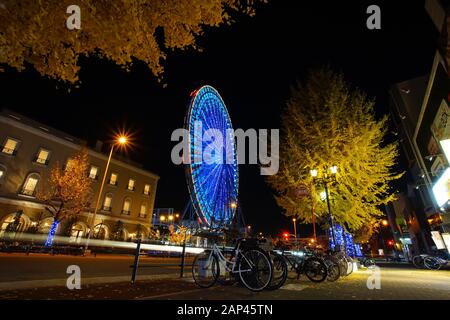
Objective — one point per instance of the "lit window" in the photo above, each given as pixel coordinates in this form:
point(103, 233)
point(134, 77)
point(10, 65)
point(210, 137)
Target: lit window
point(93, 172)
point(143, 211)
point(70, 164)
point(10, 146)
point(126, 206)
point(131, 183)
point(43, 156)
point(147, 189)
point(107, 202)
point(30, 184)
point(113, 179)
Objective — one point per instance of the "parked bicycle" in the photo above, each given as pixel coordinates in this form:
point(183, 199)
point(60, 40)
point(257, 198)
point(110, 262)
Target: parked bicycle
point(306, 262)
point(250, 263)
point(426, 261)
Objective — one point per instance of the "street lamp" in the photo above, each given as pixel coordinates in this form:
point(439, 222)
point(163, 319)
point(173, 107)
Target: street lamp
point(385, 223)
point(121, 140)
point(295, 228)
point(162, 218)
point(325, 180)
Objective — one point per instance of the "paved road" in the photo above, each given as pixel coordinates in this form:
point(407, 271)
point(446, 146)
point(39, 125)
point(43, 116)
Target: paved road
point(43, 267)
point(396, 282)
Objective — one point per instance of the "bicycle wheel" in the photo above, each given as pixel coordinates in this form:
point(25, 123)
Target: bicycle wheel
point(255, 269)
point(205, 269)
point(349, 265)
point(279, 272)
point(315, 269)
point(369, 263)
point(333, 270)
point(418, 262)
point(432, 263)
point(342, 265)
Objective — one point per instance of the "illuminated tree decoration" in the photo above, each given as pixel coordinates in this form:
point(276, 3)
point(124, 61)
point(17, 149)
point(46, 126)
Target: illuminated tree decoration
point(51, 233)
point(358, 251)
point(349, 244)
point(344, 239)
point(212, 174)
point(338, 235)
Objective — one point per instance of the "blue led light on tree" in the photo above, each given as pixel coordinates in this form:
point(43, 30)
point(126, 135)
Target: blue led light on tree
point(51, 233)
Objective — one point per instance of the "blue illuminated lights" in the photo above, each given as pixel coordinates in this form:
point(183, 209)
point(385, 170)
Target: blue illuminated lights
point(51, 234)
point(213, 185)
point(344, 240)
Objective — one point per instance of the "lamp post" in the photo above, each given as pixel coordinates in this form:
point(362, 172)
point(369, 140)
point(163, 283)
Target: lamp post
point(295, 229)
point(121, 141)
point(325, 180)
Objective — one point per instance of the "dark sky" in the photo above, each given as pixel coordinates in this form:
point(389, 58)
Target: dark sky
point(252, 64)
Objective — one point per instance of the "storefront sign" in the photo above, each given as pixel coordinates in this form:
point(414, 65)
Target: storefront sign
point(441, 189)
point(438, 240)
point(446, 238)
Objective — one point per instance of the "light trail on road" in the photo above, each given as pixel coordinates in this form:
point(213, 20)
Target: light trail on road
point(12, 237)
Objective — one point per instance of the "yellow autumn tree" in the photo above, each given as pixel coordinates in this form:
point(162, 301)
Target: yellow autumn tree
point(35, 32)
point(67, 193)
point(328, 123)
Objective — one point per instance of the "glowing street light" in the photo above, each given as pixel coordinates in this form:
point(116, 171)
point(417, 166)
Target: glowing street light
point(170, 218)
point(385, 223)
point(162, 218)
point(121, 140)
point(333, 169)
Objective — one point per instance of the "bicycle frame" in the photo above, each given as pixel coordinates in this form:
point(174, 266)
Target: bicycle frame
point(225, 262)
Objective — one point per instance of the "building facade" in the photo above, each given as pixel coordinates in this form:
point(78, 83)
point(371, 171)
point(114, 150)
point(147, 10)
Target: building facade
point(28, 152)
point(420, 218)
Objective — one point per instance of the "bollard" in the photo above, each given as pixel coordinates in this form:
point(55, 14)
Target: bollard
point(182, 256)
point(136, 261)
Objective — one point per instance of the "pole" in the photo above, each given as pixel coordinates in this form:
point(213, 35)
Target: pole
point(313, 219)
point(91, 226)
point(136, 261)
point(295, 230)
point(330, 215)
point(183, 254)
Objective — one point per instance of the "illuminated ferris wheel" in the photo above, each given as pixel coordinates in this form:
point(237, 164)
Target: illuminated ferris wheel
point(213, 187)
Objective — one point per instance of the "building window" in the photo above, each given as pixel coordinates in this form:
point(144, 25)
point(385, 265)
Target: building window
point(147, 189)
point(107, 204)
point(69, 164)
point(143, 212)
point(131, 183)
point(42, 157)
point(126, 206)
point(113, 179)
point(10, 147)
point(93, 173)
point(29, 187)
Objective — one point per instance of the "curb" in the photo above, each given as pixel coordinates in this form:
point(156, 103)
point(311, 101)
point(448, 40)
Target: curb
point(32, 284)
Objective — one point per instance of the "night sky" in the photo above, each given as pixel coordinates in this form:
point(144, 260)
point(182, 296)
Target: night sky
point(252, 64)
